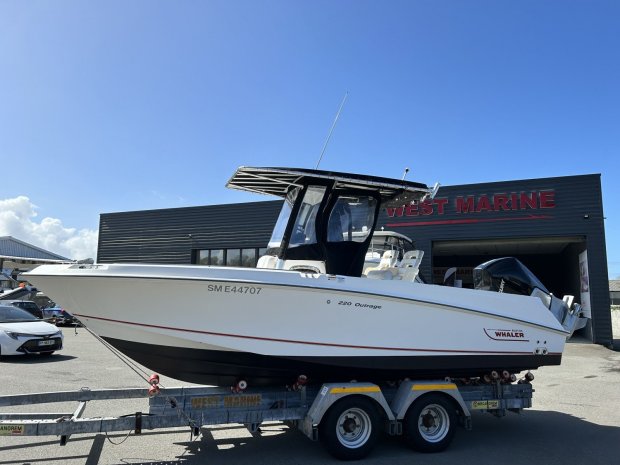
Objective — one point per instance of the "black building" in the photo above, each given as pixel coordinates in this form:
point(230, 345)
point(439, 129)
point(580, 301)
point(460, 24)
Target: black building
point(553, 225)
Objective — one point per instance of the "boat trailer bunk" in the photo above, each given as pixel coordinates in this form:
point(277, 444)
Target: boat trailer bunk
point(346, 417)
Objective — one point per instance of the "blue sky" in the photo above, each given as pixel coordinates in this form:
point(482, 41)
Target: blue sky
point(113, 106)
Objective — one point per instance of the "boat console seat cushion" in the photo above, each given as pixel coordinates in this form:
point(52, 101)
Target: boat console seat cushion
point(385, 273)
point(267, 261)
point(389, 259)
point(412, 258)
point(386, 268)
point(408, 273)
point(410, 265)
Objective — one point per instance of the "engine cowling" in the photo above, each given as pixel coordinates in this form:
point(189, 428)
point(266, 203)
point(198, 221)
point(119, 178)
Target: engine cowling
point(509, 275)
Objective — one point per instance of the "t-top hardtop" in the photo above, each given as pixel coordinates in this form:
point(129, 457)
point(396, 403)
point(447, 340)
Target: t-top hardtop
point(327, 218)
point(279, 181)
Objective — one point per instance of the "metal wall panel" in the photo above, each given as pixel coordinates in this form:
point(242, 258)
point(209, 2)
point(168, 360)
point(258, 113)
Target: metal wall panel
point(170, 235)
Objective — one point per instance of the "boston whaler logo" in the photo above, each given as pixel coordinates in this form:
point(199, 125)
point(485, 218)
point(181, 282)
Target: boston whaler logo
point(506, 334)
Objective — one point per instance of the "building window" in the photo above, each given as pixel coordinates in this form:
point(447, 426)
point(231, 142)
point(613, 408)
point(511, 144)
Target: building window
point(248, 258)
point(203, 257)
point(214, 257)
point(230, 257)
point(233, 257)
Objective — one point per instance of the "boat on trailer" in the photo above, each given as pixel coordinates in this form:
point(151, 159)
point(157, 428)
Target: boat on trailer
point(308, 308)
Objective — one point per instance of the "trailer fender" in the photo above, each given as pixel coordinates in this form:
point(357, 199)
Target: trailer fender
point(330, 393)
point(409, 391)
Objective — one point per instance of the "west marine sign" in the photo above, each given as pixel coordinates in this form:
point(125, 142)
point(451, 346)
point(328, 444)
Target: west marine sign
point(468, 206)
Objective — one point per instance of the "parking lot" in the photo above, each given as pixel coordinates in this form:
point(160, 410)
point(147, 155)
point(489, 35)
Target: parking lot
point(575, 419)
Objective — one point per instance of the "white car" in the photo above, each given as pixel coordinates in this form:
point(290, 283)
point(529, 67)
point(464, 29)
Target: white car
point(22, 333)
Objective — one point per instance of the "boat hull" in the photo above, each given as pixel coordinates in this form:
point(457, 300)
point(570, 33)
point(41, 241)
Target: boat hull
point(211, 325)
point(226, 368)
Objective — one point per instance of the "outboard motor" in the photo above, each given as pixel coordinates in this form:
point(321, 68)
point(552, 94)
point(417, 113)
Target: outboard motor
point(511, 276)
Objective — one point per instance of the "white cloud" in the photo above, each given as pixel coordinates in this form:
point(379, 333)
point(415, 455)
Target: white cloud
point(18, 219)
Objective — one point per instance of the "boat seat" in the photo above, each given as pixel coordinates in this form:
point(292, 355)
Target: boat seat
point(267, 261)
point(410, 265)
point(386, 268)
point(385, 274)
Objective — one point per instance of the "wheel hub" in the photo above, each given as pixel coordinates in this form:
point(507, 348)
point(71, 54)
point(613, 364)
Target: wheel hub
point(353, 428)
point(428, 420)
point(433, 423)
point(350, 425)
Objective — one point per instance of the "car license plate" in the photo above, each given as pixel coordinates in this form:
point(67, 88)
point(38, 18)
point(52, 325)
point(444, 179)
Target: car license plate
point(46, 342)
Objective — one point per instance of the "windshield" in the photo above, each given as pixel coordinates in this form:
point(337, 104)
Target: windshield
point(381, 244)
point(304, 230)
point(13, 314)
point(278, 230)
point(351, 219)
point(27, 305)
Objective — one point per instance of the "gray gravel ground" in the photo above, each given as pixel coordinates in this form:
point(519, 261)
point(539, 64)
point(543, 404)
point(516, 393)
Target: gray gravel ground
point(575, 420)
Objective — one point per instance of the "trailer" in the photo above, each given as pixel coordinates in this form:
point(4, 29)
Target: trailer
point(346, 417)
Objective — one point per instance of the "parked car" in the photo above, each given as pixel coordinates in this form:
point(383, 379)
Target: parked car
point(27, 305)
point(23, 333)
point(60, 317)
point(42, 300)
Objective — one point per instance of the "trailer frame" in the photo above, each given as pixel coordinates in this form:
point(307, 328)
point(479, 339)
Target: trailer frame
point(303, 407)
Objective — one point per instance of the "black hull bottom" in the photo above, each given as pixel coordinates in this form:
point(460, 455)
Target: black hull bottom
point(211, 367)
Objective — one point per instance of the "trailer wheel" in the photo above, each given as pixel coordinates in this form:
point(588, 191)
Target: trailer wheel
point(430, 423)
point(349, 430)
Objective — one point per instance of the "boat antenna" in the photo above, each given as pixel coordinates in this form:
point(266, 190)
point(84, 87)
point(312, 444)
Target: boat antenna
point(405, 174)
point(331, 130)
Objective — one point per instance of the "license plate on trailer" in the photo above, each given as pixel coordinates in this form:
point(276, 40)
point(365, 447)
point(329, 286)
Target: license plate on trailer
point(46, 342)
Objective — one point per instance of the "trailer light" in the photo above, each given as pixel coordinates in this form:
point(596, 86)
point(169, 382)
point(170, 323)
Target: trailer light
point(153, 390)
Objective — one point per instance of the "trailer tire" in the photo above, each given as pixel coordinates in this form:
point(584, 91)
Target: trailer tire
point(350, 428)
point(430, 423)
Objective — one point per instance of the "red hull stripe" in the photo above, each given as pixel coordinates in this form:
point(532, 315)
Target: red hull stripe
point(292, 341)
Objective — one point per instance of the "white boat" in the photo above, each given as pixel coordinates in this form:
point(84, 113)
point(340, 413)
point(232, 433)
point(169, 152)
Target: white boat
point(307, 309)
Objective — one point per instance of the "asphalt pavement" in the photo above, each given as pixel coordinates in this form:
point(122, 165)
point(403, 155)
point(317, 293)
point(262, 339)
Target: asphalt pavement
point(575, 420)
